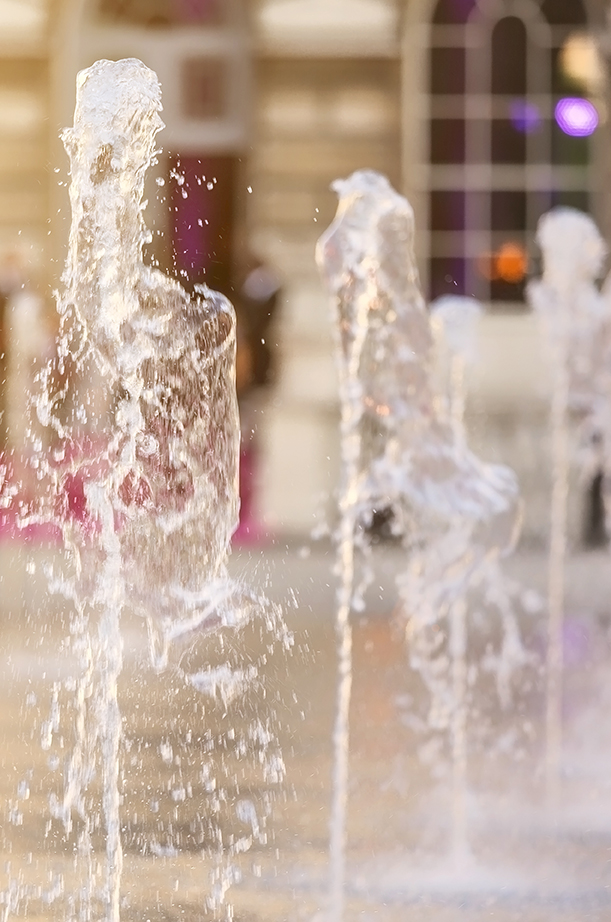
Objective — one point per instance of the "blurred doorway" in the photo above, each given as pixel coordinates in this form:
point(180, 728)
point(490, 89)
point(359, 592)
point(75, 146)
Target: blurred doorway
point(203, 215)
point(200, 50)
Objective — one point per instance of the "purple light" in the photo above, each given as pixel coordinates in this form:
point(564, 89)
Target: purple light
point(576, 117)
point(525, 116)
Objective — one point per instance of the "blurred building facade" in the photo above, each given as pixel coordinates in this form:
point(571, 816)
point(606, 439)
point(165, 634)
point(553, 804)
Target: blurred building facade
point(265, 103)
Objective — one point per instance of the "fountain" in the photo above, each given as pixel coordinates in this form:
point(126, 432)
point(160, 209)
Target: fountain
point(572, 316)
point(404, 451)
point(154, 780)
point(455, 571)
point(141, 480)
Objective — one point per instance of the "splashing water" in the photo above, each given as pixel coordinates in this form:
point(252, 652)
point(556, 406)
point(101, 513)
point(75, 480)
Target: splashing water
point(574, 323)
point(451, 566)
point(370, 285)
point(403, 452)
point(142, 408)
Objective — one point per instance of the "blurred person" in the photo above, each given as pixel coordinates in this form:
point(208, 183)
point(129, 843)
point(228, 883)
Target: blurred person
point(256, 298)
point(595, 525)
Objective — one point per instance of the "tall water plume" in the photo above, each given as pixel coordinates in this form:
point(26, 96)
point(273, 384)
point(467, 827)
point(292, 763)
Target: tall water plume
point(141, 412)
point(574, 324)
point(403, 453)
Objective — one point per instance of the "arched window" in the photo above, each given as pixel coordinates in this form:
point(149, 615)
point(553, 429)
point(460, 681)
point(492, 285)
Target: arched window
point(509, 138)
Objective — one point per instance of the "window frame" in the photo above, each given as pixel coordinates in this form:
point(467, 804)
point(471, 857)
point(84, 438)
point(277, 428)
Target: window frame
point(477, 175)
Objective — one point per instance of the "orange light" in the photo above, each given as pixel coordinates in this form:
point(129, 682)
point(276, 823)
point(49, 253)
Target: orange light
point(508, 264)
point(512, 262)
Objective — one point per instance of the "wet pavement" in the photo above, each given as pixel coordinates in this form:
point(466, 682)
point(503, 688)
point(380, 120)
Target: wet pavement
point(198, 770)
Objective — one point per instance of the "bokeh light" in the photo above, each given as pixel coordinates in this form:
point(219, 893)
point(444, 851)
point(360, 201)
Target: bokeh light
point(508, 264)
point(581, 62)
point(576, 117)
point(511, 262)
point(525, 116)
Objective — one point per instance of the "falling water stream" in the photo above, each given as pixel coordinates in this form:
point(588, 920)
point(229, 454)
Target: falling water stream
point(140, 409)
